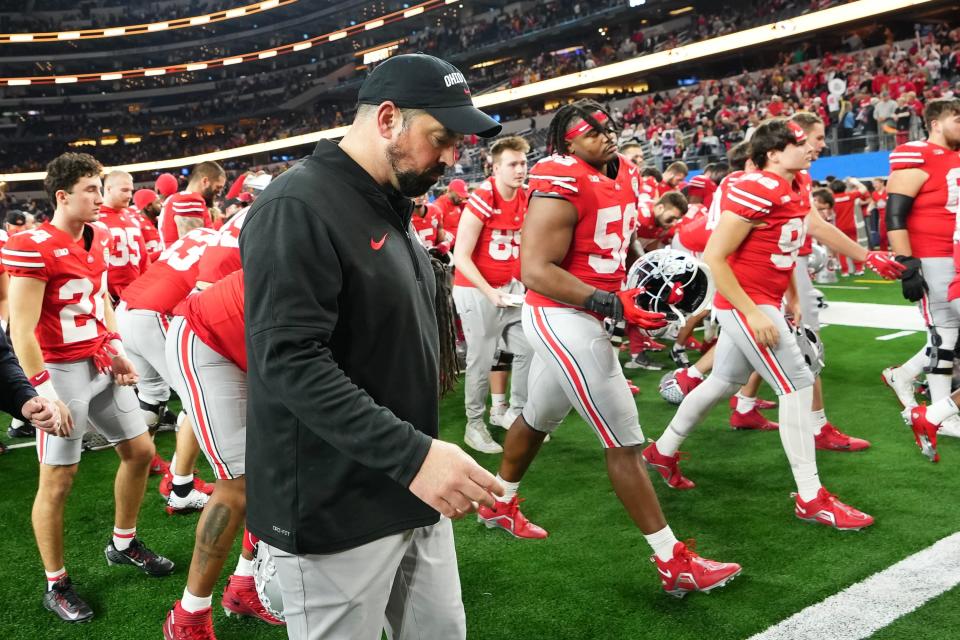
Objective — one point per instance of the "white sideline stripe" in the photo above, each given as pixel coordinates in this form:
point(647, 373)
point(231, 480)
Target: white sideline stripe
point(863, 608)
point(894, 336)
point(897, 317)
point(22, 445)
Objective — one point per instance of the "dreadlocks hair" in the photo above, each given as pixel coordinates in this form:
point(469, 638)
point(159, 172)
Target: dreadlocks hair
point(446, 327)
point(579, 110)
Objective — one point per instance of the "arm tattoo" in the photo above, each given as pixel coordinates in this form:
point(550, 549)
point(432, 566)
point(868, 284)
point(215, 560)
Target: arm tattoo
point(186, 224)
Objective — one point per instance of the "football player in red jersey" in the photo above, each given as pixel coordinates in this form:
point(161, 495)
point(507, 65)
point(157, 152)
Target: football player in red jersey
point(190, 208)
point(879, 197)
point(451, 207)
point(146, 210)
point(128, 251)
point(426, 221)
point(207, 356)
point(751, 253)
point(673, 175)
point(845, 200)
point(582, 213)
point(923, 203)
point(62, 327)
point(486, 287)
point(143, 319)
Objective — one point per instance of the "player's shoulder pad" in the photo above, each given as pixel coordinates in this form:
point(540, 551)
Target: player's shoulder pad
point(556, 174)
point(911, 155)
point(754, 194)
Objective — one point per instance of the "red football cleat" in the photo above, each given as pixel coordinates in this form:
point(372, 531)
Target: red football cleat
point(181, 625)
point(687, 572)
point(240, 599)
point(686, 382)
point(826, 509)
point(753, 419)
point(668, 467)
point(649, 344)
point(159, 466)
point(166, 485)
point(759, 403)
point(924, 433)
point(634, 389)
point(507, 516)
point(832, 439)
point(693, 344)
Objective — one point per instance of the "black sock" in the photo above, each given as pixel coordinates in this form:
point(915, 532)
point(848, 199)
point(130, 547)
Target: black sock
point(183, 490)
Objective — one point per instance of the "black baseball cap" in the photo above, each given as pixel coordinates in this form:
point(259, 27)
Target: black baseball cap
point(421, 81)
point(16, 218)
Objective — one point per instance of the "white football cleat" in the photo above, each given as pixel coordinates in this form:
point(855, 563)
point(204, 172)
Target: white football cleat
point(950, 427)
point(194, 501)
point(478, 437)
point(901, 386)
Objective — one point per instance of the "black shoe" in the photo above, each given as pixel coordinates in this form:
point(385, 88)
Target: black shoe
point(679, 357)
point(139, 556)
point(22, 430)
point(63, 600)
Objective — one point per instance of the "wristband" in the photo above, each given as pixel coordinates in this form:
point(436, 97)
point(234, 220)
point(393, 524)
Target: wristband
point(117, 346)
point(41, 382)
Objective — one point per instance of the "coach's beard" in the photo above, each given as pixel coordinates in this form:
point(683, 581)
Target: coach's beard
point(412, 184)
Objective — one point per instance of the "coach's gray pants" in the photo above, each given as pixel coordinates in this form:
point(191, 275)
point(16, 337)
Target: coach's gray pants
point(406, 583)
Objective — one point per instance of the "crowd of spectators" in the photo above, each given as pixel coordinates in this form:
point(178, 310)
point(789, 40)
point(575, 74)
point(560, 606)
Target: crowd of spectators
point(878, 105)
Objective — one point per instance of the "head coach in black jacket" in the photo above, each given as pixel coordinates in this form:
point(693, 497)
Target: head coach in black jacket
point(345, 476)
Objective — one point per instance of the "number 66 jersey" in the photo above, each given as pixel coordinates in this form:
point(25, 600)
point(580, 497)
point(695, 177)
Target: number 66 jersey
point(75, 271)
point(763, 263)
point(606, 217)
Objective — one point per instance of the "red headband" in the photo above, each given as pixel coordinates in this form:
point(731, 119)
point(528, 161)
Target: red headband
point(583, 127)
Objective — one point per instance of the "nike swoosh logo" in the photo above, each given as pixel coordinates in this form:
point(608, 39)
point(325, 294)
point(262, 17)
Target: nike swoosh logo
point(377, 245)
point(665, 574)
point(72, 615)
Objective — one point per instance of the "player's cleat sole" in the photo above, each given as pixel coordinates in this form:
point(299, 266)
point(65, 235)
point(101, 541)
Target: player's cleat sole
point(63, 600)
point(139, 556)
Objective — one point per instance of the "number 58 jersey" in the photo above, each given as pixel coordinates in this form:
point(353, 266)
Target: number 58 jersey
point(606, 218)
point(71, 319)
point(764, 261)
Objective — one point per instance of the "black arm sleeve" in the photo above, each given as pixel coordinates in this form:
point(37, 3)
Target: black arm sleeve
point(898, 208)
point(289, 326)
point(15, 389)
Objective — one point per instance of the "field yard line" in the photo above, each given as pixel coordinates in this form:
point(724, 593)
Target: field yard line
point(877, 281)
point(894, 336)
point(22, 445)
point(901, 317)
point(840, 286)
point(863, 608)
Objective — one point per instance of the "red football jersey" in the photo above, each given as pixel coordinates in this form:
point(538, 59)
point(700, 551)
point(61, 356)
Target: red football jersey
point(713, 213)
point(933, 218)
point(172, 276)
point(185, 203)
point(450, 213)
point(216, 316)
point(71, 319)
point(128, 252)
point(692, 232)
point(764, 262)
point(427, 225)
point(497, 252)
point(223, 256)
point(845, 209)
point(3, 240)
point(606, 218)
point(151, 235)
point(806, 186)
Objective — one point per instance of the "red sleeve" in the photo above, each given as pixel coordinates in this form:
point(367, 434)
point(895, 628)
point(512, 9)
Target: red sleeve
point(190, 205)
point(556, 177)
point(480, 203)
point(751, 198)
point(22, 256)
point(908, 156)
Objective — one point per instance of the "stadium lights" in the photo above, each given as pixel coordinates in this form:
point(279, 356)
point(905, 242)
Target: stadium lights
point(840, 14)
point(680, 11)
point(136, 29)
point(251, 56)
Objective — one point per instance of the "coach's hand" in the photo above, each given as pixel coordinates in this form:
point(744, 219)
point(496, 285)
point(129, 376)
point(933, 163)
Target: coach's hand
point(451, 482)
point(763, 329)
point(912, 278)
point(123, 372)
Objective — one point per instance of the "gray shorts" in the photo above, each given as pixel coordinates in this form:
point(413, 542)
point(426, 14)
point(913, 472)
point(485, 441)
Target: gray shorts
point(144, 336)
point(934, 307)
point(738, 354)
point(576, 366)
point(94, 401)
point(214, 395)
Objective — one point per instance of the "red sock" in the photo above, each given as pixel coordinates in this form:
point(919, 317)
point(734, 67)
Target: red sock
point(249, 540)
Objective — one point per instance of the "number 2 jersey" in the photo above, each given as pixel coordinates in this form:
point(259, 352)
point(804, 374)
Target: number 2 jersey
point(764, 261)
point(606, 217)
point(71, 323)
point(497, 252)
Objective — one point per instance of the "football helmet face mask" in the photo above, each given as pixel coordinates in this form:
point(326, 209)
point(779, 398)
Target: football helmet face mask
point(810, 346)
point(672, 283)
point(265, 579)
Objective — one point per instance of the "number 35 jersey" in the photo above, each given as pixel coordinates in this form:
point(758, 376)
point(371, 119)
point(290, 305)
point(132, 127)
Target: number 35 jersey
point(763, 263)
point(606, 217)
point(71, 320)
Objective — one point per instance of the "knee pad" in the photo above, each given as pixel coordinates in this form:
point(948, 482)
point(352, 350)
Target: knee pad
point(941, 350)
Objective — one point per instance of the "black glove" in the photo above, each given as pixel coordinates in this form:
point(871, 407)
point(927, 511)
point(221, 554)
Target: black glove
point(912, 278)
point(605, 303)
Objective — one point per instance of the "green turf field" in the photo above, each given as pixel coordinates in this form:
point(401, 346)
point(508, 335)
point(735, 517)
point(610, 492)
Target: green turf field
point(591, 578)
